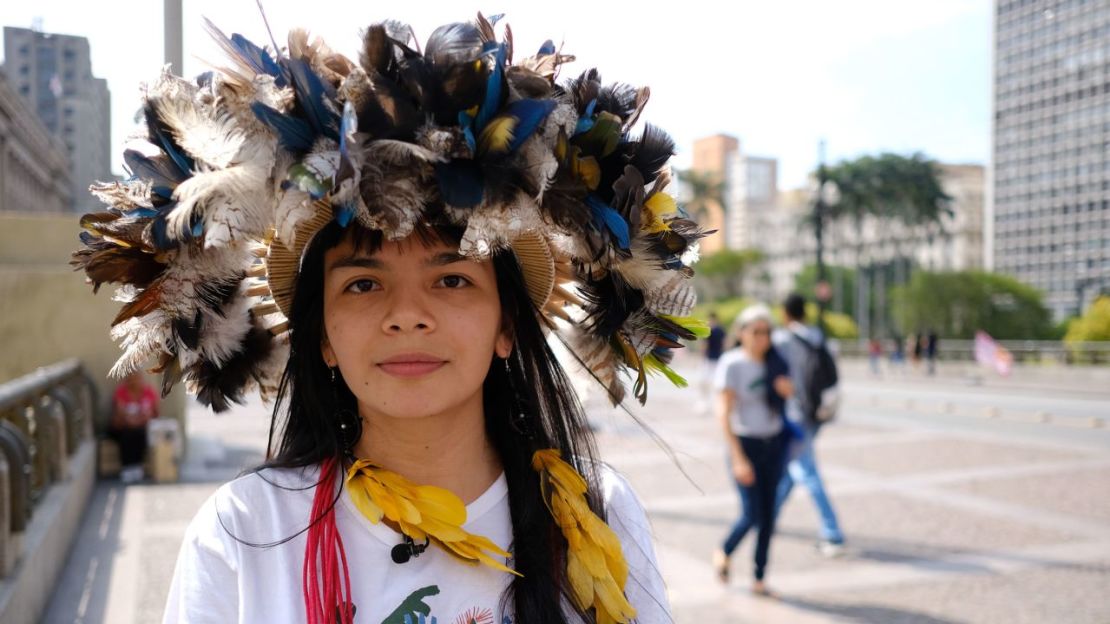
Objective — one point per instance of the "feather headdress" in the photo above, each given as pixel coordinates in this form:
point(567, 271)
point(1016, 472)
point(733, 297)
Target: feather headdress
point(244, 165)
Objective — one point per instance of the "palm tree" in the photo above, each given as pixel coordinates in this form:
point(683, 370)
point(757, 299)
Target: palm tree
point(900, 192)
point(704, 188)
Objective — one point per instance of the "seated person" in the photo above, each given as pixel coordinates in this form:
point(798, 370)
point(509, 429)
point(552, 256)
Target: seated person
point(134, 404)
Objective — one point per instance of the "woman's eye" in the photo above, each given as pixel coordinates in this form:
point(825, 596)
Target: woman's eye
point(454, 281)
point(361, 286)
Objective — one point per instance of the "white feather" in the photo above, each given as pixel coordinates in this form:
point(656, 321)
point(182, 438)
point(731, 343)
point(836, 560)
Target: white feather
point(124, 196)
point(141, 338)
point(401, 152)
point(222, 335)
point(237, 199)
point(493, 226)
point(191, 268)
point(212, 138)
point(295, 206)
point(673, 295)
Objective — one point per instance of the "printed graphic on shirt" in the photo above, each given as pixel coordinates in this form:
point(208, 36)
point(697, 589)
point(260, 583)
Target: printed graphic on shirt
point(414, 610)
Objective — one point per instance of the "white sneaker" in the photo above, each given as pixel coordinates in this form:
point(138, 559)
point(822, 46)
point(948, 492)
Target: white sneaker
point(830, 550)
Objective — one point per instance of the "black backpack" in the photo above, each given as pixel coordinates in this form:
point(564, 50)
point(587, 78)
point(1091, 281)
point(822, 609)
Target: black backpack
point(820, 399)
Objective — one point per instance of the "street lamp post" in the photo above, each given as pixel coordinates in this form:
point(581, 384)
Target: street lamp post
point(819, 210)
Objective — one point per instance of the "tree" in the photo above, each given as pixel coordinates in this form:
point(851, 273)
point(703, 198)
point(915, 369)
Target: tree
point(956, 304)
point(705, 189)
point(1093, 326)
point(905, 189)
point(838, 325)
point(723, 272)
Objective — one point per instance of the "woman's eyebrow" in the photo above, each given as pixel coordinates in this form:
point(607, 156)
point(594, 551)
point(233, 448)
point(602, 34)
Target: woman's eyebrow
point(445, 258)
point(363, 262)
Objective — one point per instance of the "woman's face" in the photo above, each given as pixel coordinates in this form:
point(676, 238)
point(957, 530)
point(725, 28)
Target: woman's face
point(756, 337)
point(412, 327)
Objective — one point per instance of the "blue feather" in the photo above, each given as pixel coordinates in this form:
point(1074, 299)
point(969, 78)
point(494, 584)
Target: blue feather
point(548, 47)
point(295, 135)
point(531, 114)
point(343, 214)
point(312, 92)
point(609, 218)
point(160, 137)
point(259, 59)
point(586, 121)
point(161, 171)
point(493, 88)
point(159, 235)
point(348, 125)
point(141, 213)
point(460, 183)
point(466, 122)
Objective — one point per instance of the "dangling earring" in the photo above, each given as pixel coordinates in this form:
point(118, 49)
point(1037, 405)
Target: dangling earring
point(350, 425)
point(517, 419)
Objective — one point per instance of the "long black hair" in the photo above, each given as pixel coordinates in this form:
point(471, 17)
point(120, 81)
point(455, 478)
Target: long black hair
point(528, 401)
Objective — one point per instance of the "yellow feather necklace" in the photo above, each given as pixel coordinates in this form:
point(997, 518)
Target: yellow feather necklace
point(423, 512)
point(596, 567)
point(595, 563)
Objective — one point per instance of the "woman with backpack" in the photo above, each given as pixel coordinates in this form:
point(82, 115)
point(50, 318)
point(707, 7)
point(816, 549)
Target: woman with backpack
point(753, 382)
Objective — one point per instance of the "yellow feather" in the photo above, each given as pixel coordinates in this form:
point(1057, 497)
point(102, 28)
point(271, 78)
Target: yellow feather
point(656, 206)
point(421, 512)
point(596, 567)
point(589, 171)
point(365, 503)
point(581, 583)
point(497, 135)
point(441, 504)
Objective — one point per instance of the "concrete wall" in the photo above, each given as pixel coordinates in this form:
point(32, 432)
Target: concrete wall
point(47, 312)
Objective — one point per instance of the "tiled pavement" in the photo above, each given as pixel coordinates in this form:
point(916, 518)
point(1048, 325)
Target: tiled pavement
point(950, 516)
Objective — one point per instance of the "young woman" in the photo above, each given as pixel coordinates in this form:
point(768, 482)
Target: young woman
point(389, 246)
point(753, 382)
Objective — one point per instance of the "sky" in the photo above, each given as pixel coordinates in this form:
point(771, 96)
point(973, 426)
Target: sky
point(864, 76)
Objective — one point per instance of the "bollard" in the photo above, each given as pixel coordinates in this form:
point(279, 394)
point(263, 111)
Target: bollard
point(52, 438)
point(74, 415)
point(8, 544)
point(14, 446)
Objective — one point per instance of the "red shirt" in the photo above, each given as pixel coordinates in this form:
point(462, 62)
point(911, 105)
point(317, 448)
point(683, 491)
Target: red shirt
point(132, 410)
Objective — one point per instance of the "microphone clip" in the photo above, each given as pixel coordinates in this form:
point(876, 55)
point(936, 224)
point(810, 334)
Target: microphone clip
point(401, 553)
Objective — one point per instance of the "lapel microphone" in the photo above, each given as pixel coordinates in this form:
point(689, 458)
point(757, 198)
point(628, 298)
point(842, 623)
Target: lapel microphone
point(408, 549)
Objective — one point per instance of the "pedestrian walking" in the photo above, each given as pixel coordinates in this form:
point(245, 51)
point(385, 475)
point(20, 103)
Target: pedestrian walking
point(753, 383)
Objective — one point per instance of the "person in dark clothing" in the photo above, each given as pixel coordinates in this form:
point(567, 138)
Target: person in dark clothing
point(714, 347)
point(931, 351)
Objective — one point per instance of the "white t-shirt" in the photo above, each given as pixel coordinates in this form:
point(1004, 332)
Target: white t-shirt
point(751, 416)
point(220, 580)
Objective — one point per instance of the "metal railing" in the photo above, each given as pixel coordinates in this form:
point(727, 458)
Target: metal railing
point(44, 417)
point(1025, 351)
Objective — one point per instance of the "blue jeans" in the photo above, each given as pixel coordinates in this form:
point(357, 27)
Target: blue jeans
point(804, 469)
point(757, 503)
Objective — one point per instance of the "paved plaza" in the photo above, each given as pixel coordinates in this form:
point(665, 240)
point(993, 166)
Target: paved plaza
point(960, 503)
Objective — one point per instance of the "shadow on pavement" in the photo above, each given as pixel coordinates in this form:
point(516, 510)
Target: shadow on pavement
point(878, 614)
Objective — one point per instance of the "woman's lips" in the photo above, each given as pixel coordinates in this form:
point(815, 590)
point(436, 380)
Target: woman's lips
point(410, 365)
